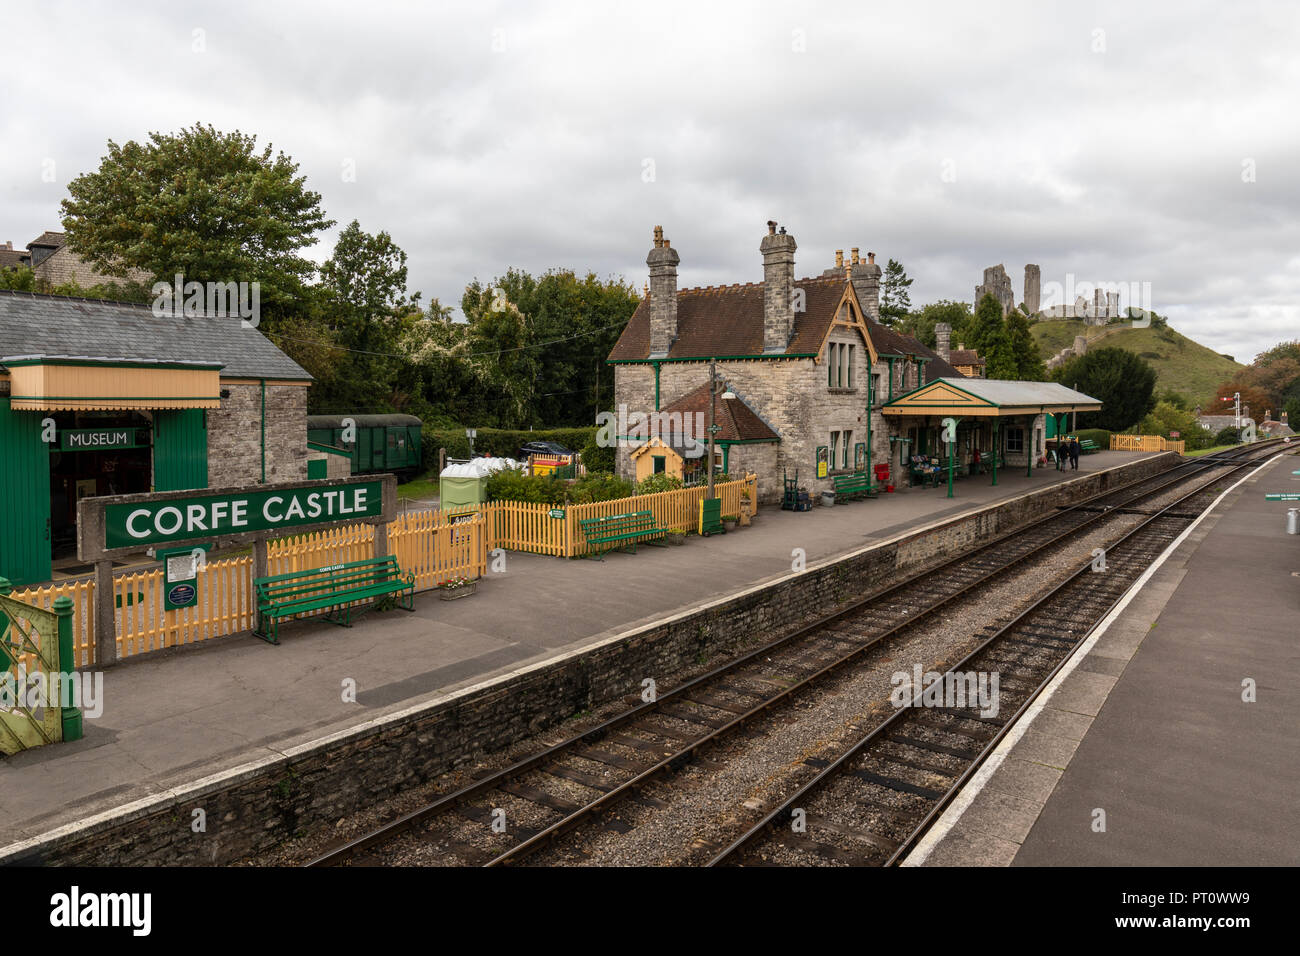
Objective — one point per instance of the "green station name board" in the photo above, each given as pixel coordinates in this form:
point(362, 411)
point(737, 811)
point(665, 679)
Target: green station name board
point(140, 524)
point(97, 439)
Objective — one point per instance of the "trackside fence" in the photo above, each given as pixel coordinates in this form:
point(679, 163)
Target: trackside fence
point(1145, 443)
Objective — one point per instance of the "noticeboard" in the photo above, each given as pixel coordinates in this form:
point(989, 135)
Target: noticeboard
point(823, 461)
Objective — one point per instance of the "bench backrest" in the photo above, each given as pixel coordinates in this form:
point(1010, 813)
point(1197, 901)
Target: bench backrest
point(334, 577)
point(618, 524)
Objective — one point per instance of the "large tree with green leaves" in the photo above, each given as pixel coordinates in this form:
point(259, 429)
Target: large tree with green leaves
point(920, 324)
point(366, 309)
point(1123, 381)
point(987, 334)
point(206, 204)
point(1023, 350)
point(894, 297)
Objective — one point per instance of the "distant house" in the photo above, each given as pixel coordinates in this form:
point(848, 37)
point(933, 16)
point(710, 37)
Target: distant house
point(964, 360)
point(52, 260)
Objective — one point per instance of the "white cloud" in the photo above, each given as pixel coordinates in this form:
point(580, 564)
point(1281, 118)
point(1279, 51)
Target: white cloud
point(937, 134)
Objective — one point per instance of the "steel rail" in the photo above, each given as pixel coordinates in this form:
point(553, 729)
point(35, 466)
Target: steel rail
point(448, 801)
point(829, 772)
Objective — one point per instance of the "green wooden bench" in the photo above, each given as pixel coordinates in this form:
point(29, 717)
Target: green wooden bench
point(1088, 446)
point(333, 589)
point(621, 532)
point(856, 485)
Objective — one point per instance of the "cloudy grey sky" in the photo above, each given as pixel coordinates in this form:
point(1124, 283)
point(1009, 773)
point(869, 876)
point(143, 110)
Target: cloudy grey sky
point(1116, 142)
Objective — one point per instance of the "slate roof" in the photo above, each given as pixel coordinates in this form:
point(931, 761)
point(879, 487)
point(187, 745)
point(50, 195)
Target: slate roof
point(738, 422)
point(13, 257)
point(56, 326)
point(717, 321)
point(49, 238)
point(965, 357)
point(1006, 394)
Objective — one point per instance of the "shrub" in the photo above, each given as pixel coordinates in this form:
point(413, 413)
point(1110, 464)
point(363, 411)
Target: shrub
point(657, 483)
point(1227, 436)
point(598, 460)
point(598, 488)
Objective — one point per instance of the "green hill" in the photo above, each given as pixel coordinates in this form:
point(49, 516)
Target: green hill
point(1181, 364)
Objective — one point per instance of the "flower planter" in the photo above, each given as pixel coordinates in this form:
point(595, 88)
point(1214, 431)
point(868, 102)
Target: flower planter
point(676, 539)
point(730, 524)
point(455, 594)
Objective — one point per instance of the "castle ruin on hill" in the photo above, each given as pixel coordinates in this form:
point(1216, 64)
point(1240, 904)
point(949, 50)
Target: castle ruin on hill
point(1096, 308)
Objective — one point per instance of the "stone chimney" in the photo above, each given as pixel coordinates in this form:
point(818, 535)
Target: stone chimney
point(866, 283)
point(1283, 417)
point(8, 246)
point(662, 260)
point(942, 338)
point(778, 288)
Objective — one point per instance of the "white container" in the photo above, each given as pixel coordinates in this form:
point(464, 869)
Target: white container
point(1293, 521)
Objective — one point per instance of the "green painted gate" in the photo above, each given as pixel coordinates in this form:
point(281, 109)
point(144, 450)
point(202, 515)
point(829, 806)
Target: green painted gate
point(25, 504)
point(180, 449)
point(43, 638)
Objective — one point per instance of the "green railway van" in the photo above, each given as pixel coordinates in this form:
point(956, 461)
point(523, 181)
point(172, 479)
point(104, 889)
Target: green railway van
point(380, 443)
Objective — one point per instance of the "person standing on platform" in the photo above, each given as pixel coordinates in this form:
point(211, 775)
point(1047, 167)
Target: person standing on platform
point(1074, 454)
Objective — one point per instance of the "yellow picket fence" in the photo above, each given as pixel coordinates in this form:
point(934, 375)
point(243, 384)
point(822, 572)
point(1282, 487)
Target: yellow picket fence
point(522, 526)
point(1145, 443)
point(433, 546)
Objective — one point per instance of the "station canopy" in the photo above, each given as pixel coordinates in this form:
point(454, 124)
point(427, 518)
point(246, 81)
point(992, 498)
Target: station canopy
point(993, 398)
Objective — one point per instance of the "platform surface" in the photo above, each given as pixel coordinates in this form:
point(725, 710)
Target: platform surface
point(180, 715)
point(1151, 726)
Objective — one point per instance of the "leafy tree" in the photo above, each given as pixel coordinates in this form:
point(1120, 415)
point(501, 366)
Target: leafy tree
point(920, 324)
point(366, 308)
point(1028, 363)
point(203, 203)
point(19, 278)
point(1256, 398)
point(987, 333)
point(894, 298)
point(1123, 381)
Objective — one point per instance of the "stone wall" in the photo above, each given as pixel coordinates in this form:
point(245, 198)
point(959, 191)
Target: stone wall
point(254, 808)
point(235, 435)
point(63, 265)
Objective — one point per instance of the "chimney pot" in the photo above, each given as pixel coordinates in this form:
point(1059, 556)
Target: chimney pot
point(839, 258)
point(771, 227)
point(871, 257)
point(856, 260)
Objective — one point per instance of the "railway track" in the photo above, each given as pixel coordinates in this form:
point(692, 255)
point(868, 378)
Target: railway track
point(509, 814)
point(873, 804)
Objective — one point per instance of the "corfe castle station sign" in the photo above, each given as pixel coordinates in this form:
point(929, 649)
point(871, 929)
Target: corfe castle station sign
point(145, 524)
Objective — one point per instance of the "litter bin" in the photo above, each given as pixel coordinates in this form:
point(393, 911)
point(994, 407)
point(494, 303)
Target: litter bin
point(1293, 521)
point(828, 497)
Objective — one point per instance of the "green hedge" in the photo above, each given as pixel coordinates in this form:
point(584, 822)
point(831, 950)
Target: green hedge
point(499, 442)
